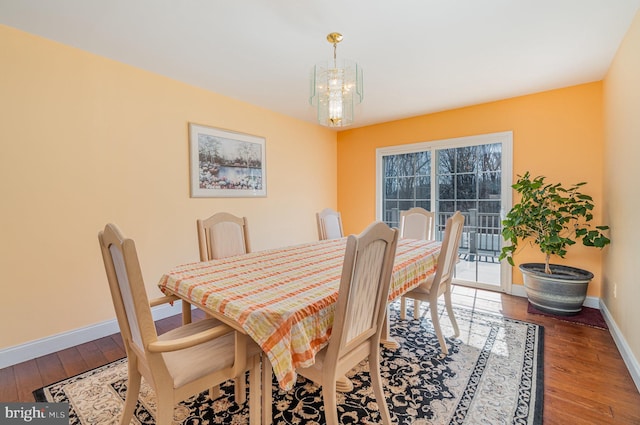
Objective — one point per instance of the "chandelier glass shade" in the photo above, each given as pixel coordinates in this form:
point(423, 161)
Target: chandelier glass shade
point(336, 88)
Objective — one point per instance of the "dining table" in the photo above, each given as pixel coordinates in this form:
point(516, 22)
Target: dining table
point(284, 298)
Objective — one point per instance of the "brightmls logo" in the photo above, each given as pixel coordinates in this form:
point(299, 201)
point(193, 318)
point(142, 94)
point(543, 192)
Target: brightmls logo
point(34, 413)
point(27, 415)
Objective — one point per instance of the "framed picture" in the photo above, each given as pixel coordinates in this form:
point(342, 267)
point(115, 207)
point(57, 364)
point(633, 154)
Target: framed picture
point(226, 164)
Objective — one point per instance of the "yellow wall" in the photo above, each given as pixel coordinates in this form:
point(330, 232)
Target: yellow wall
point(621, 288)
point(557, 133)
point(86, 141)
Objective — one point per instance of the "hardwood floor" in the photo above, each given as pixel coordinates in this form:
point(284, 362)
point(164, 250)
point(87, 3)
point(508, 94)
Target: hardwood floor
point(585, 378)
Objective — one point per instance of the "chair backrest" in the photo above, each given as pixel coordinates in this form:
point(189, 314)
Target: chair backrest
point(329, 224)
point(127, 291)
point(417, 223)
point(364, 289)
point(448, 252)
point(223, 235)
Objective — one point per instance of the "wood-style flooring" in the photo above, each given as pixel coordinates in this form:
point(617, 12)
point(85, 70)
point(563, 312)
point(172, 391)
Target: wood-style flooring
point(585, 378)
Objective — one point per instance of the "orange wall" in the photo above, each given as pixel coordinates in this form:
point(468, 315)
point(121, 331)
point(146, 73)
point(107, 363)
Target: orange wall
point(86, 141)
point(558, 134)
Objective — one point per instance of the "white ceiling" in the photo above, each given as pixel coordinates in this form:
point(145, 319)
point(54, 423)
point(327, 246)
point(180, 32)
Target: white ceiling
point(418, 56)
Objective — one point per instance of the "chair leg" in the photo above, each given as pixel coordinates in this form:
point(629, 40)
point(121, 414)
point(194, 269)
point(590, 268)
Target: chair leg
point(133, 391)
point(452, 317)
point(330, 401)
point(403, 308)
point(164, 402)
point(376, 383)
point(416, 309)
point(164, 415)
point(433, 306)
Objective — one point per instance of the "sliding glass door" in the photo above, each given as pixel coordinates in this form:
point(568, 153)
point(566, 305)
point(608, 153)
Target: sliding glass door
point(471, 175)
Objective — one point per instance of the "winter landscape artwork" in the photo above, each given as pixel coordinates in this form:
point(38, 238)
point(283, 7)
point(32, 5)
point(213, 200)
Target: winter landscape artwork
point(226, 163)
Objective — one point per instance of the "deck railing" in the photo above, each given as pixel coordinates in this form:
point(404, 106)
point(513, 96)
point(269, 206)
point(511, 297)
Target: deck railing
point(481, 235)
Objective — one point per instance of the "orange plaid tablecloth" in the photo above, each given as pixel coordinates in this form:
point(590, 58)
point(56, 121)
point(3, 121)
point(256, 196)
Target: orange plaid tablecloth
point(285, 298)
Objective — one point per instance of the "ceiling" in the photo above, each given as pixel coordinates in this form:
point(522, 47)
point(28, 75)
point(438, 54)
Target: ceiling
point(418, 56)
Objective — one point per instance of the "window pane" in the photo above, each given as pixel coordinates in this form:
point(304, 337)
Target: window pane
point(424, 204)
point(423, 163)
point(464, 206)
point(391, 188)
point(445, 187)
point(466, 159)
point(391, 213)
point(423, 187)
point(406, 205)
point(446, 207)
point(390, 166)
point(405, 164)
point(466, 186)
point(489, 185)
point(489, 207)
point(406, 187)
point(446, 161)
point(490, 157)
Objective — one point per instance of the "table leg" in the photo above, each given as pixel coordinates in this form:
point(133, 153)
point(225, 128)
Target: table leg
point(186, 313)
point(267, 390)
point(255, 393)
point(344, 384)
point(385, 338)
point(240, 385)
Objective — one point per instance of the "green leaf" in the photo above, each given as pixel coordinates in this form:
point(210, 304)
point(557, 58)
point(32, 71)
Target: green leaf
point(552, 216)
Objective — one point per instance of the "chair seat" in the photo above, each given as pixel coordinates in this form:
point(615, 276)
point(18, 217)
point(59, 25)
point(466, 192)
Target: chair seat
point(180, 363)
point(425, 287)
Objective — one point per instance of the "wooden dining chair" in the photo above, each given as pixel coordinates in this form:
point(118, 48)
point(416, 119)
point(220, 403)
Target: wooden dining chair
point(359, 316)
point(222, 235)
point(416, 223)
point(329, 224)
point(177, 364)
point(439, 283)
point(219, 236)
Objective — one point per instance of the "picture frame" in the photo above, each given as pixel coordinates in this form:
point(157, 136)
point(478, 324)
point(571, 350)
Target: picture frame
point(226, 163)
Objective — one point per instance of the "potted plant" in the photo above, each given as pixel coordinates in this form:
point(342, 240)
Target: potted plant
point(553, 217)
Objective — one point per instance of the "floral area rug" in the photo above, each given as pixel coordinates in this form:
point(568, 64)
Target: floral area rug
point(492, 375)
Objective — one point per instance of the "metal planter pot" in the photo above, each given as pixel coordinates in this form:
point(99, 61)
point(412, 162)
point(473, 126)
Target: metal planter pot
point(563, 292)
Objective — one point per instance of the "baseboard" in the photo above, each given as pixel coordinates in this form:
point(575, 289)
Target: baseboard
point(625, 351)
point(40, 347)
point(519, 291)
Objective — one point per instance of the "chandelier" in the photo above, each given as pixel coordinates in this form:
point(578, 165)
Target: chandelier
point(336, 87)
